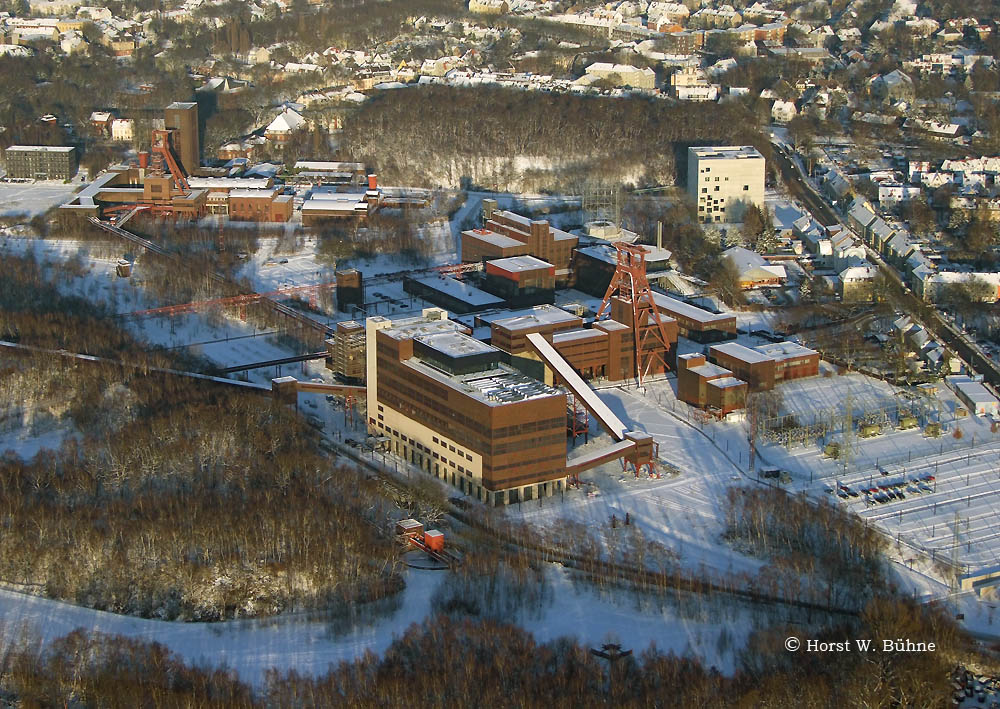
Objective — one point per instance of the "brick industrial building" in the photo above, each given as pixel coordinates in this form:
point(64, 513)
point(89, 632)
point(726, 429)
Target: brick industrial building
point(605, 350)
point(182, 118)
point(267, 205)
point(449, 405)
point(731, 371)
point(41, 162)
point(709, 386)
point(456, 408)
point(521, 280)
point(506, 234)
point(697, 323)
point(764, 366)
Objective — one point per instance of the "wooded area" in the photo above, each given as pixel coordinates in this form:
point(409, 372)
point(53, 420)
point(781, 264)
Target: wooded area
point(171, 497)
point(524, 141)
point(807, 540)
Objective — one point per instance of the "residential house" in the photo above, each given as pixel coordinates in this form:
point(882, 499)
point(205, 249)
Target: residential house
point(892, 194)
point(783, 111)
point(122, 130)
point(489, 7)
point(892, 87)
point(755, 271)
point(856, 283)
point(283, 125)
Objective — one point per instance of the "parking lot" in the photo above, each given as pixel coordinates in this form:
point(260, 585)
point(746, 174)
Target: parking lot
point(941, 504)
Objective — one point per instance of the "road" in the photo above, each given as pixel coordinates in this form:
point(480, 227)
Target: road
point(943, 330)
point(800, 189)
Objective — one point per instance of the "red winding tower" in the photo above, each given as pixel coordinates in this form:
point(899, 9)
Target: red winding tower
point(629, 283)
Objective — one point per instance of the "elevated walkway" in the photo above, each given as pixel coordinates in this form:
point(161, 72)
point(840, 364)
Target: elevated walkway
point(635, 447)
point(273, 362)
point(575, 383)
point(287, 389)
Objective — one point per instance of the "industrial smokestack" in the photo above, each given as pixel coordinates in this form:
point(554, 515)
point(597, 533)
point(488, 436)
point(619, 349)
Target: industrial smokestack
point(373, 182)
point(659, 235)
point(143, 159)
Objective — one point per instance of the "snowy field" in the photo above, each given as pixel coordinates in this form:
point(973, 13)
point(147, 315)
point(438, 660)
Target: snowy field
point(310, 644)
point(91, 273)
point(684, 511)
point(965, 470)
point(32, 198)
point(680, 511)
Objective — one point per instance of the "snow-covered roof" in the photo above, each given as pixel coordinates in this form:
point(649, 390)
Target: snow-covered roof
point(520, 263)
point(784, 350)
point(492, 237)
point(529, 318)
point(285, 122)
point(740, 352)
point(460, 290)
point(726, 383)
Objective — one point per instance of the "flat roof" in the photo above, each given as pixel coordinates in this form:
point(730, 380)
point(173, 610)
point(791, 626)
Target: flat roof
point(727, 383)
point(582, 334)
point(454, 343)
point(686, 310)
point(457, 289)
point(740, 352)
point(246, 183)
point(184, 105)
point(710, 370)
point(324, 205)
point(531, 317)
point(324, 196)
point(507, 385)
point(974, 391)
point(254, 194)
point(407, 328)
point(609, 324)
point(520, 263)
point(497, 386)
point(43, 148)
point(785, 350)
point(726, 152)
point(492, 237)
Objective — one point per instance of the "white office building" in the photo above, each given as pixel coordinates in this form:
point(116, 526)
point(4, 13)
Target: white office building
point(724, 180)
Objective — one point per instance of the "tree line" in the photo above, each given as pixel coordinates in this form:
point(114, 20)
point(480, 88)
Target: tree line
point(803, 539)
point(445, 662)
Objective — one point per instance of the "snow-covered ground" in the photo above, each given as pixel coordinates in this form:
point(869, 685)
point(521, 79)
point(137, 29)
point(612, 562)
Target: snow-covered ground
point(680, 511)
point(684, 512)
point(310, 644)
point(32, 198)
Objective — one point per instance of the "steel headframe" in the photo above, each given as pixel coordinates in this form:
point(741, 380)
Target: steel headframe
point(629, 283)
point(162, 147)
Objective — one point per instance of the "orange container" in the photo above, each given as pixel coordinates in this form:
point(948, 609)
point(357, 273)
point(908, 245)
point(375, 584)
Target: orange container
point(434, 540)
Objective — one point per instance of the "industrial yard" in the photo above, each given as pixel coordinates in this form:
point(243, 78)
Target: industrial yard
point(575, 389)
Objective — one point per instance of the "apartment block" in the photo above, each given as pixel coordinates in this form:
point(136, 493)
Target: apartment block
point(41, 162)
